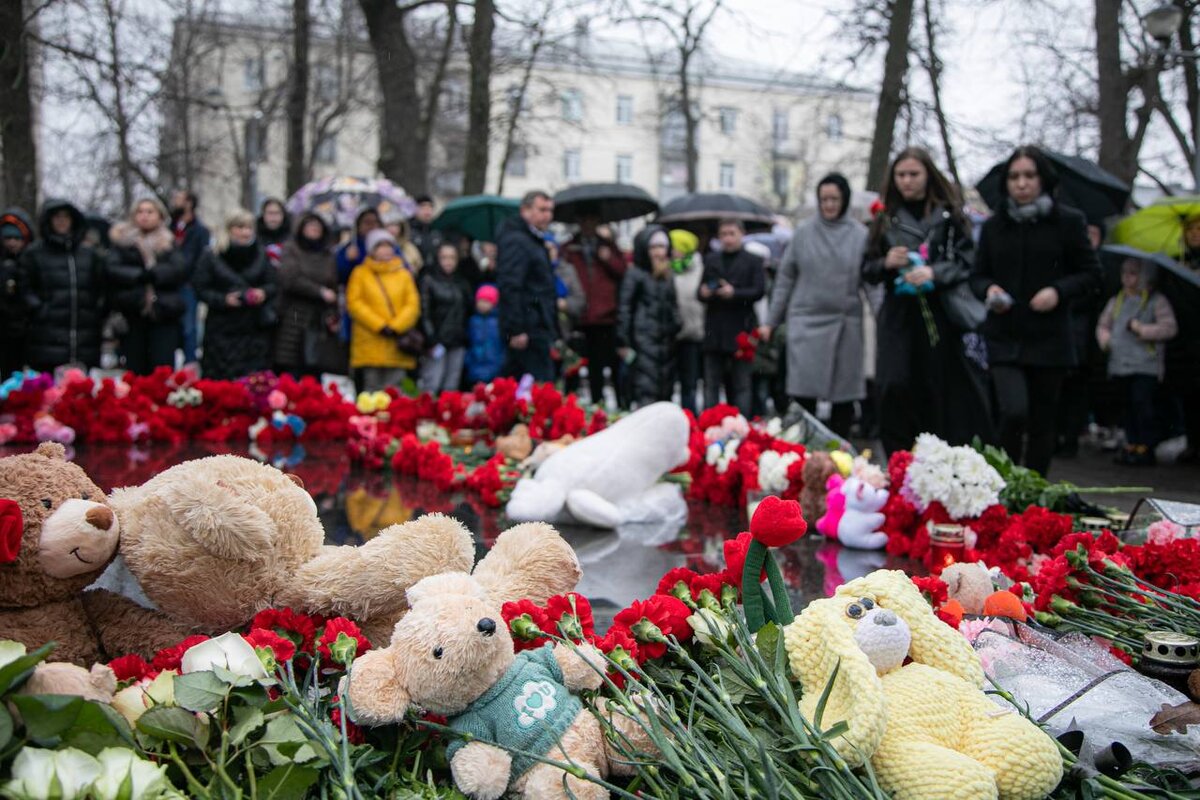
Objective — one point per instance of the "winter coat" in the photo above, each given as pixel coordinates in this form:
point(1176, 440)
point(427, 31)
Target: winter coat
point(12, 305)
point(485, 349)
point(601, 280)
point(691, 308)
point(1023, 258)
point(132, 278)
point(1143, 353)
point(303, 273)
point(237, 339)
point(647, 323)
point(426, 240)
point(576, 300)
point(725, 319)
point(381, 294)
point(192, 241)
point(62, 283)
point(1183, 352)
point(446, 302)
point(816, 293)
point(525, 278)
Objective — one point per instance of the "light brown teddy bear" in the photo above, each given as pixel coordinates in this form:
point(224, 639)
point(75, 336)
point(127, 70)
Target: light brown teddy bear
point(211, 542)
point(58, 536)
point(817, 468)
point(453, 655)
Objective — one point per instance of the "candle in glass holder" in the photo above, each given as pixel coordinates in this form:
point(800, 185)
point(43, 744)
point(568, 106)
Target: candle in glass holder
point(947, 545)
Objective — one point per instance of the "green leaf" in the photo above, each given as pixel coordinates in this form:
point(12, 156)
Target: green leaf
point(173, 724)
point(98, 726)
point(14, 673)
point(200, 691)
point(248, 720)
point(824, 699)
point(6, 727)
point(768, 636)
point(287, 782)
point(47, 716)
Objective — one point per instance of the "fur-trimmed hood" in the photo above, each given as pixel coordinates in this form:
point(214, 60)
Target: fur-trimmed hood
point(126, 234)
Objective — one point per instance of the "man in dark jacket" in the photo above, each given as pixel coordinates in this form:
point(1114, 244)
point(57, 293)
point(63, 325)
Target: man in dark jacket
point(191, 239)
point(528, 298)
point(60, 279)
point(421, 232)
point(600, 268)
point(733, 281)
point(16, 234)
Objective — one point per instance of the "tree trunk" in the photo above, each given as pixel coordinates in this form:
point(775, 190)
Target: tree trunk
point(933, 65)
point(1191, 77)
point(403, 158)
point(690, 123)
point(479, 115)
point(297, 105)
point(17, 140)
point(895, 66)
point(120, 116)
point(1113, 93)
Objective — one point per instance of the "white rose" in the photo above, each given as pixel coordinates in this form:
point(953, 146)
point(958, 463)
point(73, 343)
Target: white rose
point(146, 780)
point(229, 650)
point(132, 701)
point(41, 774)
point(709, 627)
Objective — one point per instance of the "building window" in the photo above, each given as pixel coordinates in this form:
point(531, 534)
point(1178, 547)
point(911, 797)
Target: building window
point(624, 169)
point(728, 119)
point(833, 127)
point(572, 106)
point(256, 140)
point(326, 150)
point(571, 164)
point(325, 83)
point(779, 126)
point(780, 180)
point(253, 74)
point(624, 109)
point(727, 176)
point(516, 162)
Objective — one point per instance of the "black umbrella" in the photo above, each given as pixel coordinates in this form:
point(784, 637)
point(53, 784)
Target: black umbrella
point(611, 202)
point(1082, 184)
point(1111, 256)
point(705, 207)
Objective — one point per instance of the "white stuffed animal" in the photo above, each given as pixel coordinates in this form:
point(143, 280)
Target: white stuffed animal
point(612, 477)
point(852, 516)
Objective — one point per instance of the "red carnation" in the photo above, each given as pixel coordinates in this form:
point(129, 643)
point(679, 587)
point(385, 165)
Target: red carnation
point(935, 589)
point(712, 417)
point(677, 583)
point(300, 628)
point(281, 648)
point(572, 615)
point(12, 526)
point(652, 620)
point(620, 647)
point(528, 624)
point(170, 657)
point(334, 628)
point(777, 522)
point(130, 668)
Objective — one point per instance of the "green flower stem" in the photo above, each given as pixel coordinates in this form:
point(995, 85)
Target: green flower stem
point(779, 593)
point(759, 610)
point(197, 788)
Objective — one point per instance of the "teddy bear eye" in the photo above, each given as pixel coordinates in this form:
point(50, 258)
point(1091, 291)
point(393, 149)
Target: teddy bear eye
point(85, 496)
point(854, 611)
point(437, 652)
point(46, 503)
point(866, 603)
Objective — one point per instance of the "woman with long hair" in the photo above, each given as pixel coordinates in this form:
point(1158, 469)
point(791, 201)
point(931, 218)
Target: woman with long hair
point(1033, 259)
point(920, 248)
point(146, 275)
point(648, 318)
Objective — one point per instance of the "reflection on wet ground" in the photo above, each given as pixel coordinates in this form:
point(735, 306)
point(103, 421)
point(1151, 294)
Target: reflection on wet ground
point(618, 567)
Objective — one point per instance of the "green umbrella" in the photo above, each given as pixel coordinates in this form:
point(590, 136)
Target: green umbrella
point(1158, 228)
point(477, 216)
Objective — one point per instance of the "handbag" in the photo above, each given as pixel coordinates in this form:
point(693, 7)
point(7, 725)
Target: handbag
point(412, 341)
point(964, 310)
point(322, 346)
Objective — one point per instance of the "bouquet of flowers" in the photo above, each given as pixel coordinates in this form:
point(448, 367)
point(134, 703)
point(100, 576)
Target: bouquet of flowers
point(957, 477)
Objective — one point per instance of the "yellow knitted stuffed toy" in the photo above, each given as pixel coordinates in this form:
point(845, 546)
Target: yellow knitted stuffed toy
point(928, 730)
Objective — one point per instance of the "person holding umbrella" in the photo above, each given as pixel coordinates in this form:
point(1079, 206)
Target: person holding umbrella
point(598, 263)
point(1033, 259)
point(528, 296)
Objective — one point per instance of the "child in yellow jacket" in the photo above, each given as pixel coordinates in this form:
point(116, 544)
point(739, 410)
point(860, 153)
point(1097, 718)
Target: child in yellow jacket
point(384, 305)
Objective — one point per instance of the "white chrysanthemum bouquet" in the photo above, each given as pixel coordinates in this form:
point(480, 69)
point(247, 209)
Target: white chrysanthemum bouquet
point(957, 477)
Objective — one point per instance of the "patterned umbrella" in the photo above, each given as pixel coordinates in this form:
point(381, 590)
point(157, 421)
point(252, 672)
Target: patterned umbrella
point(338, 200)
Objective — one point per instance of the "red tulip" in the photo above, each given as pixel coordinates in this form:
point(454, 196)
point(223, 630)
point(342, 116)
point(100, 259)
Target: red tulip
point(777, 523)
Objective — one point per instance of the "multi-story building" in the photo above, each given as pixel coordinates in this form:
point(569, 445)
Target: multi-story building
point(594, 110)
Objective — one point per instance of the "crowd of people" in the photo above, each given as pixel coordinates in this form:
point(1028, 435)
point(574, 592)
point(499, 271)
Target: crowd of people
point(917, 322)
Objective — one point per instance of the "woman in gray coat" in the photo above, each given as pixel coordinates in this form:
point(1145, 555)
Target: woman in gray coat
point(817, 293)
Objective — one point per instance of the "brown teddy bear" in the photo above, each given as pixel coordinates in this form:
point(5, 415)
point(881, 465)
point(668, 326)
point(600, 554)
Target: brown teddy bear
point(207, 544)
point(56, 536)
point(453, 655)
point(818, 466)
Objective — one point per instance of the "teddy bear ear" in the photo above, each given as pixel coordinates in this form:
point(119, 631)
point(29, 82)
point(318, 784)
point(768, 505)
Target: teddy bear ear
point(458, 584)
point(531, 561)
point(220, 521)
point(52, 450)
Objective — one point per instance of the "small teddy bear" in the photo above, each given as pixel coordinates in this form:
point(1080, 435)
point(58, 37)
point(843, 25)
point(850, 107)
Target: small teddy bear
point(852, 513)
point(818, 467)
point(57, 534)
point(453, 655)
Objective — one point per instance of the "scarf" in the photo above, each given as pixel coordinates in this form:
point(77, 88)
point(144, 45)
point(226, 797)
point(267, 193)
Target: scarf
point(1030, 212)
point(240, 256)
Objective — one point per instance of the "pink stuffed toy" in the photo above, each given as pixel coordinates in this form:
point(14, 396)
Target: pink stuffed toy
point(852, 513)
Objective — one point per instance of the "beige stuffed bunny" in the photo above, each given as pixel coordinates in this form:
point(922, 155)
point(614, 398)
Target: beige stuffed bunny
point(453, 655)
point(928, 730)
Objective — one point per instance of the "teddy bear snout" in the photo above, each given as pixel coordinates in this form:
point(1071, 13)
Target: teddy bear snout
point(99, 517)
point(486, 626)
point(884, 617)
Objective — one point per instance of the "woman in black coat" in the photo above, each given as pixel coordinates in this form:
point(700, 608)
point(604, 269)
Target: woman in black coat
point(926, 382)
point(62, 283)
point(447, 301)
point(307, 341)
point(1033, 259)
point(145, 277)
point(238, 285)
point(648, 318)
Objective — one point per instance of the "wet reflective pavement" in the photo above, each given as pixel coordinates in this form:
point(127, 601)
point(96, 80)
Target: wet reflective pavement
point(355, 504)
